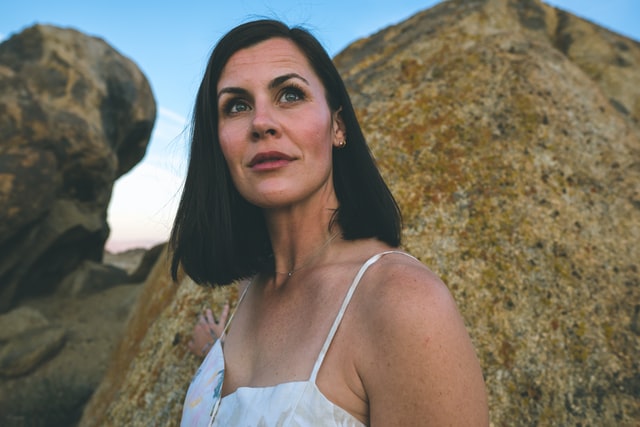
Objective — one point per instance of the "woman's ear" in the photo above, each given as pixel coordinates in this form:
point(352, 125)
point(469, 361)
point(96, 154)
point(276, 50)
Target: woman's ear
point(339, 130)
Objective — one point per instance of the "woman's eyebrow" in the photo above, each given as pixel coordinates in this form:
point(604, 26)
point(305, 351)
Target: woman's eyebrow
point(281, 79)
point(232, 90)
point(276, 82)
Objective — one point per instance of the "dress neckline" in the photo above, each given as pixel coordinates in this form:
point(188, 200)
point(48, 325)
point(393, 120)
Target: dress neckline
point(205, 390)
point(332, 331)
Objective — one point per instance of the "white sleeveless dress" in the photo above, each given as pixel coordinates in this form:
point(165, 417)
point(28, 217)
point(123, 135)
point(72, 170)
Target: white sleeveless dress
point(295, 403)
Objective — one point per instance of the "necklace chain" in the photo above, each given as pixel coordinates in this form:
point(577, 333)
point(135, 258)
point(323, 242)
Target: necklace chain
point(311, 258)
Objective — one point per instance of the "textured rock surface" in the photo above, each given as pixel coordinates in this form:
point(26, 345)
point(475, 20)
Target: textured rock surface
point(151, 367)
point(20, 320)
point(24, 353)
point(146, 264)
point(518, 173)
point(515, 157)
point(91, 277)
point(26, 340)
point(74, 116)
point(55, 391)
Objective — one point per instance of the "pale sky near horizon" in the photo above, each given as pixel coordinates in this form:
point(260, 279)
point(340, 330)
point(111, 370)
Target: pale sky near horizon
point(170, 42)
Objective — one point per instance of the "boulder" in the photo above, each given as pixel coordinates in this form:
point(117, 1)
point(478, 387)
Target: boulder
point(27, 339)
point(25, 352)
point(127, 260)
point(20, 320)
point(508, 130)
point(74, 116)
point(516, 167)
point(151, 367)
point(46, 382)
point(149, 259)
point(91, 277)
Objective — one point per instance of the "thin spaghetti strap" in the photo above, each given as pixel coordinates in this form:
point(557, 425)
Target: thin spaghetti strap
point(343, 309)
point(226, 327)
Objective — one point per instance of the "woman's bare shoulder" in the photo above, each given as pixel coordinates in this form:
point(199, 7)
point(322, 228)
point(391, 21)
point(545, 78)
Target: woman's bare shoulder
point(401, 278)
point(414, 330)
point(399, 293)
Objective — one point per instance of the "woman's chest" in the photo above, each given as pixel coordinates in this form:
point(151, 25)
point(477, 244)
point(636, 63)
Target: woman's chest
point(274, 349)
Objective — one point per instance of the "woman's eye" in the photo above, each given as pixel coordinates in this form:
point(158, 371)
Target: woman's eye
point(236, 106)
point(291, 94)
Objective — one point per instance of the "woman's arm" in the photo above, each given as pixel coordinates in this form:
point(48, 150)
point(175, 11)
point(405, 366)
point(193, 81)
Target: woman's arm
point(420, 367)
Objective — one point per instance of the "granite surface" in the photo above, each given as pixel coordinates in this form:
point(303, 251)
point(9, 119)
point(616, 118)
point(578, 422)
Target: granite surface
point(75, 115)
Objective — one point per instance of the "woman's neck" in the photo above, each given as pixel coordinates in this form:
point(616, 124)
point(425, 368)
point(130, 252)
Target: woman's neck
point(300, 237)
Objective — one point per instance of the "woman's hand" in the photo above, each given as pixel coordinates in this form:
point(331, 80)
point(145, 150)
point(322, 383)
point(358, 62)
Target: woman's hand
point(207, 330)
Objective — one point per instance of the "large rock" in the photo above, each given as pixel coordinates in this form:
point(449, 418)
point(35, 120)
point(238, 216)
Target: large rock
point(148, 261)
point(26, 352)
point(45, 381)
point(20, 320)
point(74, 115)
point(514, 155)
point(26, 341)
point(518, 173)
point(91, 277)
point(151, 368)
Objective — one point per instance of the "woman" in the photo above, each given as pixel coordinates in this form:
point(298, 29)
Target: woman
point(335, 325)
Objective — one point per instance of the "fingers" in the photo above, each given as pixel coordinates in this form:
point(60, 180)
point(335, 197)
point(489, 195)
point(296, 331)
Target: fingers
point(193, 348)
point(217, 328)
point(225, 314)
point(202, 319)
point(208, 315)
point(207, 330)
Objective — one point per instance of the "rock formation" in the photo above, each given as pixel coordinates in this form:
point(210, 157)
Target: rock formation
point(56, 354)
point(515, 157)
point(151, 368)
point(508, 131)
point(74, 116)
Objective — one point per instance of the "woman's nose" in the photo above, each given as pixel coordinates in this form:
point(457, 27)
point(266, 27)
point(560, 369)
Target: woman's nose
point(264, 122)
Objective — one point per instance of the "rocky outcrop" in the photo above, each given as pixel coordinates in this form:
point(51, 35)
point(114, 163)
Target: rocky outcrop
point(151, 367)
point(516, 163)
point(54, 352)
point(27, 340)
point(25, 352)
point(74, 116)
point(146, 264)
point(515, 159)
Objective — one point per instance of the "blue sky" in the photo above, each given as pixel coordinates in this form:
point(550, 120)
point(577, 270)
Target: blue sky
point(170, 42)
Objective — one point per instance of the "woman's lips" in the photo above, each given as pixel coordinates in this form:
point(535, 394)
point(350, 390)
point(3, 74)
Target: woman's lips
point(269, 160)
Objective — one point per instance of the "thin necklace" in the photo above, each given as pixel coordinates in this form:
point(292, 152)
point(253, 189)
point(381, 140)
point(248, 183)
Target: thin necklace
point(311, 258)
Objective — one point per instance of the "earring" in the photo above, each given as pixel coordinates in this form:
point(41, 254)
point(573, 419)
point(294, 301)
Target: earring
point(342, 143)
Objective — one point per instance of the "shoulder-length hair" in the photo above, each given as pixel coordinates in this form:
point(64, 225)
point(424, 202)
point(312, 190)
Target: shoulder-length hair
point(218, 237)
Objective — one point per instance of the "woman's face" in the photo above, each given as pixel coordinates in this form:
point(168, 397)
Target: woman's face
point(275, 127)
